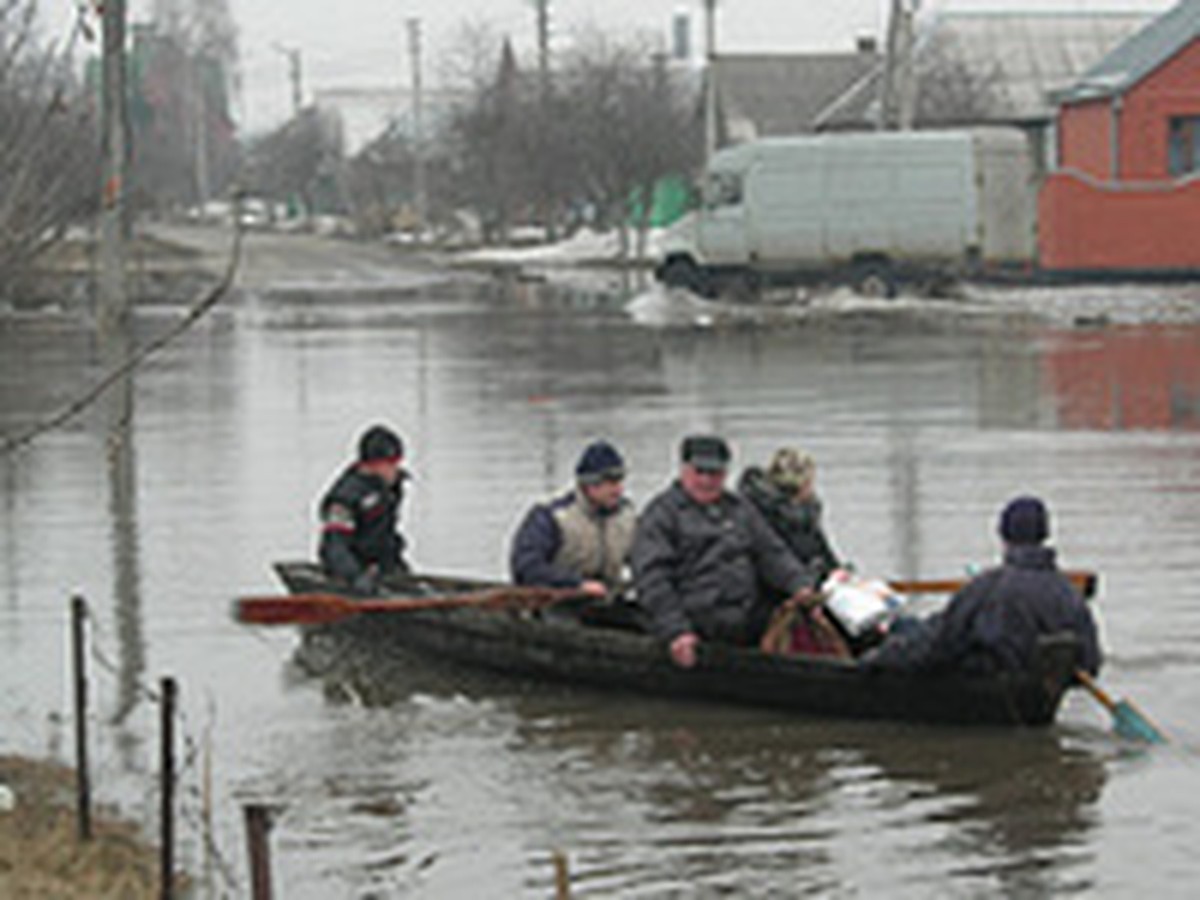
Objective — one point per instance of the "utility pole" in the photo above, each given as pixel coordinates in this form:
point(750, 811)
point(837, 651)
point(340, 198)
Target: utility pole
point(906, 93)
point(543, 43)
point(112, 296)
point(898, 95)
point(887, 88)
point(710, 81)
point(545, 189)
point(200, 124)
point(296, 75)
point(420, 193)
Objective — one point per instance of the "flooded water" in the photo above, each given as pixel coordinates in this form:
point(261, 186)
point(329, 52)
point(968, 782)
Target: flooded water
point(462, 786)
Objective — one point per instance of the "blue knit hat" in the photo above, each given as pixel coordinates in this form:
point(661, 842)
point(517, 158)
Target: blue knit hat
point(599, 462)
point(1025, 521)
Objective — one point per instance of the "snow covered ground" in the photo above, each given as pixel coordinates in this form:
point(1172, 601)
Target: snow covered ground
point(1090, 305)
point(585, 247)
point(588, 255)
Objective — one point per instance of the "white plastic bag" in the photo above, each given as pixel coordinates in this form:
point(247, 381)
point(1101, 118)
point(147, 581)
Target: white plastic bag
point(860, 605)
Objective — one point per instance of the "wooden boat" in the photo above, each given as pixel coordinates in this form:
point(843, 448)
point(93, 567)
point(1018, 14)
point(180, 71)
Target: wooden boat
point(559, 646)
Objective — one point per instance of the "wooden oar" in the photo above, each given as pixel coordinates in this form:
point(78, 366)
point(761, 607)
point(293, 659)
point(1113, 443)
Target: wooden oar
point(317, 609)
point(1083, 581)
point(1128, 720)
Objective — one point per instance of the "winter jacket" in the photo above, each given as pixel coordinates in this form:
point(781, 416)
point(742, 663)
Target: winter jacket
point(798, 524)
point(711, 569)
point(358, 525)
point(993, 624)
point(567, 541)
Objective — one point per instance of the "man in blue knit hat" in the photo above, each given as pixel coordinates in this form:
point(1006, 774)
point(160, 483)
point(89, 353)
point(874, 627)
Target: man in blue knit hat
point(582, 538)
point(994, 622)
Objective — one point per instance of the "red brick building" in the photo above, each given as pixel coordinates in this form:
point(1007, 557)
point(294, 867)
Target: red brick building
point(1125, 194)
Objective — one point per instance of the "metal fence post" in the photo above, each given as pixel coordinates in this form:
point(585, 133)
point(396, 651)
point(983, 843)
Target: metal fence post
point(167, 814)
point(258, 843)
point(83, 786)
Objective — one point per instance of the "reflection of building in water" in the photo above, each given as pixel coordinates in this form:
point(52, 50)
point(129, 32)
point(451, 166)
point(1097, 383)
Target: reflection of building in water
point(1127, 378)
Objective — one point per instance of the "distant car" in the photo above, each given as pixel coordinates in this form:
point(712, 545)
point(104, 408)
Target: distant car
point(254, 213)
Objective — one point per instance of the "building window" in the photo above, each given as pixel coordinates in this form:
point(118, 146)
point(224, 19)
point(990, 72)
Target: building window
point(1183, 145)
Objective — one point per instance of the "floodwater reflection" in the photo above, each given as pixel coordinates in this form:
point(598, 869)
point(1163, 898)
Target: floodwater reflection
point(744, 801)
point(431, 781)
point(1145, 377)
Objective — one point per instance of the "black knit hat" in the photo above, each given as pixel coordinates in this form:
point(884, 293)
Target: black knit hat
point(706, 452)
point(1025, 521)
point(379, 442)
point(600, 461)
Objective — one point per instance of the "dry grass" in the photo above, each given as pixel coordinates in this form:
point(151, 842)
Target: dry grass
point(41, 855)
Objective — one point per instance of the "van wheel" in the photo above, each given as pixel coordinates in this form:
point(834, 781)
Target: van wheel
point(875, 279)
point(683, 273)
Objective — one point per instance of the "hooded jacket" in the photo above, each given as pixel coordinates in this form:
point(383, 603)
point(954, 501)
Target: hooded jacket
point(993, 624)
point(797, 524)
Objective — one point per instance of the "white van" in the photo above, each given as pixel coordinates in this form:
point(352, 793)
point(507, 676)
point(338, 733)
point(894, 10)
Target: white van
point(873, 209)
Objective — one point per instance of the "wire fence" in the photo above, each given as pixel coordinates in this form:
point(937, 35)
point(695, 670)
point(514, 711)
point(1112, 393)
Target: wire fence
point(192, 775)
point(10, 444)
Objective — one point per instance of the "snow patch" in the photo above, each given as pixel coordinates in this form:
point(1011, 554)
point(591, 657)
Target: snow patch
point(583, 247)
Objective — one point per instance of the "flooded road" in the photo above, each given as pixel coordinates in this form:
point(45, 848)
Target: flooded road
point(463, 786)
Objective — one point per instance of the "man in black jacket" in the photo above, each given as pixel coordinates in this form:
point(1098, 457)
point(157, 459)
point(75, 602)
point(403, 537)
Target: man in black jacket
point(359, 541)
point(706, 565)
point(993, 624)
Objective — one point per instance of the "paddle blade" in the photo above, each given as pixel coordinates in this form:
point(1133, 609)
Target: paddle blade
point(292, 609)
point(1129, 723)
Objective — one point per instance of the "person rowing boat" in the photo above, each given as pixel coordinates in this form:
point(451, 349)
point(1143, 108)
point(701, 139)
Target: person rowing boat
point(993, 624)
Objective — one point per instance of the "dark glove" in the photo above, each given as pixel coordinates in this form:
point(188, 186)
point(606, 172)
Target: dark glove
point(366, 583)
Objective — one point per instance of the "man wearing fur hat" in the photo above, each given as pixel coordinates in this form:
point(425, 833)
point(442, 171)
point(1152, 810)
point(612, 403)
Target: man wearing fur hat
point(993, 624)
point(582, 538)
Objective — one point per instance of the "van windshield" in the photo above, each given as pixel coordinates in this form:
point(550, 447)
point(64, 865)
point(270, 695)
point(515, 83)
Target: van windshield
point(723, 189)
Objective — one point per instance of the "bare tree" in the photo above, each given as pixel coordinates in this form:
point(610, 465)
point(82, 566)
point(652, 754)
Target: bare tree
point(489, 145)
point(184, 148)
point(299, 163)
point(631, 127)
point(48, 167)
point(469, 62)
point(953, 91)
point(590, 146)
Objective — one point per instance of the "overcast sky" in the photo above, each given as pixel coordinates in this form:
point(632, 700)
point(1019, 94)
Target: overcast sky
point(362, 43)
